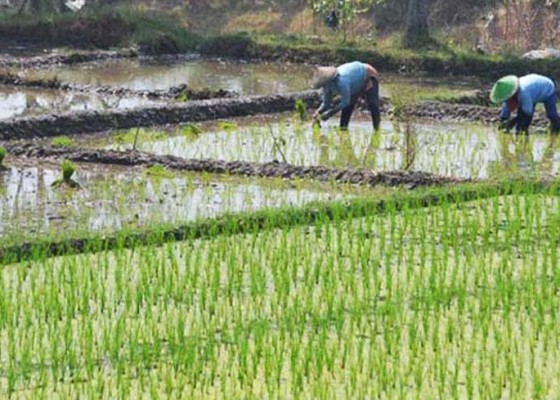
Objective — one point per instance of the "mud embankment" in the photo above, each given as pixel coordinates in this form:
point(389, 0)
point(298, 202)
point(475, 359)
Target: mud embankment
point(75, 57)
point(367, 177)
point(180, 92)
point(258, 221)
point(473, 97)
point(71, 123)
point(461, 113)
point(82, 122)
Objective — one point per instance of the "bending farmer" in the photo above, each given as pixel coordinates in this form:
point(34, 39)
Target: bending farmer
point(350, 81)
point(522, 94)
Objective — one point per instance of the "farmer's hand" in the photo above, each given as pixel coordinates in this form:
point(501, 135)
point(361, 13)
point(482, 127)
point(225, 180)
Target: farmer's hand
point(316, 119)
point(326, 115)
point(507, 125)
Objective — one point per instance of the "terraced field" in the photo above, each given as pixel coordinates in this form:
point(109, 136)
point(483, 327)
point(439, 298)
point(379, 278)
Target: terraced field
point(223, 248)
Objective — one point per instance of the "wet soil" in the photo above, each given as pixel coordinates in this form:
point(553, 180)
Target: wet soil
point(441, 111)
point(175, 93)
point(473, 97)
point(75, 57)
point(91, 121)
point(409, 179)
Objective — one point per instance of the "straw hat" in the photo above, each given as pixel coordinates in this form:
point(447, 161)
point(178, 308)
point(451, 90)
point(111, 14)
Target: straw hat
point(322, 76)
point(504, 89)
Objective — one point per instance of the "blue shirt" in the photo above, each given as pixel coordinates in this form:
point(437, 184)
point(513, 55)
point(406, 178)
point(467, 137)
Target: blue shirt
point(533, 89)
point(349, 82)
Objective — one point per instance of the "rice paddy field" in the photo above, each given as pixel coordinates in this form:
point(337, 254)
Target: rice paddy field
point(147, 282)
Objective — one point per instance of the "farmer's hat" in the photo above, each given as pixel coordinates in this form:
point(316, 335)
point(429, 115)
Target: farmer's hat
point(504, 89)
point(322, 76)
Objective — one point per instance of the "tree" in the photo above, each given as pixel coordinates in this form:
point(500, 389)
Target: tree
point(416, 31)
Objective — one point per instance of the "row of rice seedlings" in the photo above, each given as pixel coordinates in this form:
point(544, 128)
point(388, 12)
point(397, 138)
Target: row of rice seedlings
point(468, 151)
point(445, 302)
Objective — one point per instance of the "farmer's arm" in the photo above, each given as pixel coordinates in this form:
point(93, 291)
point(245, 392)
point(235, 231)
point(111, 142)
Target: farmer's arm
point(326, 101)
point(526, 103)
point(525, 112)
point(344, 102)
point(504, 113)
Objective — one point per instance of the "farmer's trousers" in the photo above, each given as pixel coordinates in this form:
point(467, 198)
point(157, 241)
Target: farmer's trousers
point(552, 113)
point(372, 99)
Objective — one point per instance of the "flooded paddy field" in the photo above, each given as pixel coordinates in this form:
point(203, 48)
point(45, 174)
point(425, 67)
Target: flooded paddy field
point(22, 102)
point(113, 198)
point(245, 78)
point(439, 292)
point(459, 150)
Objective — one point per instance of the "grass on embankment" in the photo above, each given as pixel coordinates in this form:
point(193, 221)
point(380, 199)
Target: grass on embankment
point(250, 222)
point(158, 34)
point(100, 30)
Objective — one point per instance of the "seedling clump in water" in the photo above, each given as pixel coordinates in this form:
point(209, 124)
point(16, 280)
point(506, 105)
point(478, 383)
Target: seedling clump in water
point(301, 109)
point(191, 130)
point(3, 153)
point(68, 170)
point(227, 126)
point(64, 141)
point(159, 171)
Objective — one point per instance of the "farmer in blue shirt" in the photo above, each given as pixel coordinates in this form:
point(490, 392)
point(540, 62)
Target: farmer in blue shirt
point(522, 94)
point(350, 81)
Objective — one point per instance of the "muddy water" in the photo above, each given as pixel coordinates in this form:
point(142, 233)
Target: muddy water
point(16, 102)
point(29, 206)
point(466, 151)
point(244, 78)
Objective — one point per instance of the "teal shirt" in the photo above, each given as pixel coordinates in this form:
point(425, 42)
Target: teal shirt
point(349, 82)
point(533, 89)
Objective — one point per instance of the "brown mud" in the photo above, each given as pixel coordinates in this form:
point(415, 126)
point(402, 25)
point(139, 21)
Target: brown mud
point(461, 113)
point(247, 223)
point(75, 57)
point(80, 122)
point(72, 123)
point(173, 93)
point(366, 177)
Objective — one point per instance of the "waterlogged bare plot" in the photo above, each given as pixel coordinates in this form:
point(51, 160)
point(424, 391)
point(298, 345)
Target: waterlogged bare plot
point(16, 102)
point(244, 78)
point(469, 151)
point(450, 302)
point(30, 206)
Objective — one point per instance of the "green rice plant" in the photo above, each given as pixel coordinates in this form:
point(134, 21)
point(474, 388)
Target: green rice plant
point(132, 136)
point(3, 153)
point(68, 169)
point(159, 171)
point(63, 141)
point(227, 126)
point(183, 97)
point(301, 109)
point(191, 130)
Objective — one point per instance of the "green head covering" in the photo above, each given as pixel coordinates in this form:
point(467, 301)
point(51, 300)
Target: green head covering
point(504, 89)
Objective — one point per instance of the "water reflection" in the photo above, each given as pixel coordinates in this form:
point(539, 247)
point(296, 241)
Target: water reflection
point(243, 77)
point(523, 155)
point(29, 205)
point(446, 149)
point(16, 102)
